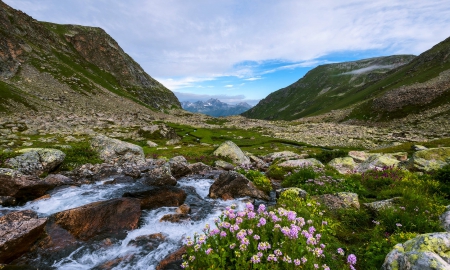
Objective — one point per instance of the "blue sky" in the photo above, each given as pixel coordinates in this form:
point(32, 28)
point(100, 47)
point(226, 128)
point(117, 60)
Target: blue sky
point(238, 50)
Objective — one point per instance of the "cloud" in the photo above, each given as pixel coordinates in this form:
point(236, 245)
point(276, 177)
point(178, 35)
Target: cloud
point(224, 98)
point(253, 79)
point(229, 86)
point(185, 82)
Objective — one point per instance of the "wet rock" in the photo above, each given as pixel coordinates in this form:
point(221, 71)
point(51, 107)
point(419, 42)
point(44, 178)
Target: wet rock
point(234, 185)
point(378, 161)
point(148, 242)
point(100, 218)
point(18, 232)
point(300, 192)
point(301, 163)
point(22, 187)
point(35, 161)
point(116, 151)
point(223, 165)
point(340, 200)
point(199, 168)
point(358, 156)
point(122, 180)
point(430, 159)
point(179, 166)
point(159, 176)
point(159, 197)
point(174, 218)
point(183, 209)
point(230, 150)
point(345, 165)
point(7, 201)
point(172, 261)
point(425, 252)
point(281, 155)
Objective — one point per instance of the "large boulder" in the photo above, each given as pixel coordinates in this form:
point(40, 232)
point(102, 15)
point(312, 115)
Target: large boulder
point(199, 168)
point(345, 165)
point(159, 197)
point(18, 232)
point(159, 176)
point(301, 163)
point(340, 200)
point(100, 218)
point(430, 159)
point(358, 156)
point(378, 161)
point(179, 166)
point(230, 150)
point(445, 219)
point(116, 151)
point(35, 161)
point(234, 185)
point(424, 252)
point(23, 187)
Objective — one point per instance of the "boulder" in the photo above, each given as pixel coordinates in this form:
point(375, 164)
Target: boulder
point(300, 192)
point(445, 219)
point(358, 156)
point(116, 151)
point(183, 209)
point(223, 165)
point(283, 155)
point(199, 168)
point(35, 161)
point(159, 176)
point(100, 218)
point(230, 150)
point(7, 201)
point(340, 200)
point(173, 260)
point(174, 218)
point(22, 187)
point(18, 232)
point(179, 166)
point(377, 161)
point(301, 163)
point(58, 180)
point(425, 252)
point(151, 144)
point(159, 197)
point(234, 185)
point(257, 162)
point(345, 165)
point(430, 159)
point(380, 205)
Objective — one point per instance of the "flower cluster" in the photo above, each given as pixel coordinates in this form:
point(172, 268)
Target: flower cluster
point(258, 238)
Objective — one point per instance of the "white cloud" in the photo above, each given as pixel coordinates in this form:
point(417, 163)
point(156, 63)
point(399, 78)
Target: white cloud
point(229, 86)
point(253, 79)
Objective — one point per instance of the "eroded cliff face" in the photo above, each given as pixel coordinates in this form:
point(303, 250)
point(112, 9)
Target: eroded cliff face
point(85, 60)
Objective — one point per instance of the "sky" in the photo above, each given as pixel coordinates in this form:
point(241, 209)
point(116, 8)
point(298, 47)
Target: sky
point(241, 51)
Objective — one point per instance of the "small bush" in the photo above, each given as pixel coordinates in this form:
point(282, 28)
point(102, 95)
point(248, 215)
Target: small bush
point(78, 155)
point(300, 176)
point(258, 178)
point(277, 172)
point(327, 155)
point(443, 174)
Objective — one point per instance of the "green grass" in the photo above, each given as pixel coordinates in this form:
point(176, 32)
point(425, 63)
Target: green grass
point(9, 93)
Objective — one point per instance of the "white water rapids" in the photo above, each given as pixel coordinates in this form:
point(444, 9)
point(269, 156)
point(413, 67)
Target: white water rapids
point(121, 253)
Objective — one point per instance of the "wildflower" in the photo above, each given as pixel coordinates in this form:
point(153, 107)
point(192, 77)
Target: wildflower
point(325, 267)
point(304, 260)
point(259, 254)
point(223, 234)
point(316, 266)
point(291, 215)
point(318, 252)
point(398, 224)
point(249, 231)
point(185, 264)
point(309, 221)
point(376, 222)
point(263, 246)
point(255, 259)
point(297, 262)
point(256, 237)
point(241, 234)
point(324, 223)
point(191, 258)
point(261, 208)
point(311, 230)
point(287, 259)
point(214, 232)
point(318, 236)
point(322, 245)
point(239, 220)
point(232, 246)
point(300, 221)
point(271, 257)
point(351, 259)
point(234, 228)
point(197, 247)
point(262, 222)
point(243, 247)
point(311, 241)
point(278, 252)
point(251, 215)
point(340, 251)
point(208, 251)
point(249, 206)
point(189, 243)
point(241, 214)
point(245, 241)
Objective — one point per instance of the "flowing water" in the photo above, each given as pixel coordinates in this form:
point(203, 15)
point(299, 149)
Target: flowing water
point(130, 253)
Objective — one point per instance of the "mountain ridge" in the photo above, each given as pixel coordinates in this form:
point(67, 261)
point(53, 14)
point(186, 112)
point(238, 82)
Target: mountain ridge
point(215, 107)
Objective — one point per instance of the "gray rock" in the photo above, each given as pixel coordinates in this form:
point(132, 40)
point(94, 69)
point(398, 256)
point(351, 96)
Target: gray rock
point(179, 166)
point(159, 176)
point(424, 252)
point(18, 232)
point(223, 165)
point(380, 205)
point(345, 165)
point(152, 144)
point(230, 150)
point(35, 161)
point(301, 163)
point(283, 155)
point(377, 161)
point(430, 159)
point(445, 219)
point(358, 156)
point(340, 200)
point(199, 168)
point(232, 185)
point(116, 151)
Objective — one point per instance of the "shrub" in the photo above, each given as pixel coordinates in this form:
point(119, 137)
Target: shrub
point(327, 155)
point(277, 172)
point(378, 179)
point(78, 155)
point(258, 178)
point(300, 176)
point(261, 239)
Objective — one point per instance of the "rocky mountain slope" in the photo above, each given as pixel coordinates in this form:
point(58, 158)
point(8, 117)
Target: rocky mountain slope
point(325, 87)
point(215, 107)
point(46, 66)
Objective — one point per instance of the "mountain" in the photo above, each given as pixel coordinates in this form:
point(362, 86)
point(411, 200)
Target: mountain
point(215, 107)
point(326, 87)
point(47, 66)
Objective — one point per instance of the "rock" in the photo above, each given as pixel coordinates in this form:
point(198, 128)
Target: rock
point(430, 159)
point(300, 192)
point(173, 260)
point(400, 156)
point(179, 166)
point(380, 205)
point(58, 180)
point(445, 219)
point(199, 168)
point(283, 155)
point(160, 131)
point(301, 163)
point(183, 209)
point(147, 242)
point(18, 232)
point(417, 147)
point(377, 161)
point(100, 218)
point(159, 176)
point(230, 150)
point(340, 200)
point(425, 252)
point(35, 161)
point(234, 185)
point(358, 156)
point(152, 144)
point(159, 197)
point(116, 151)
point(173, 141)
point(345, 165)
point(257, 162)
point(223, 165)
point(22, 187)
point(7, 201)
point(174, 218)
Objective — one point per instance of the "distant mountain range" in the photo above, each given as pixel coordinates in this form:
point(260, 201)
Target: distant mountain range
point(215, 107)
point(376, 89)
